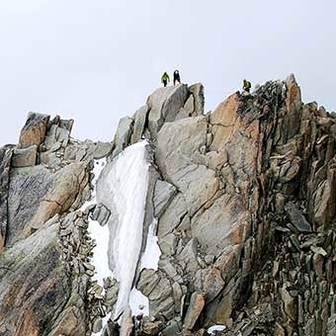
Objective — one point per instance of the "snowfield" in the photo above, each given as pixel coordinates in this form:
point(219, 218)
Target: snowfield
point(98, 233)
point(123, 187)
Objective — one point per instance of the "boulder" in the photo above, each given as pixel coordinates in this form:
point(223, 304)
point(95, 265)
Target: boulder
point(140, 118)
point(164, 106)
point(197, 92)
point(24, 157)
point(34, 130)
point(195, 308)
point(101, 214)
point(123, 135)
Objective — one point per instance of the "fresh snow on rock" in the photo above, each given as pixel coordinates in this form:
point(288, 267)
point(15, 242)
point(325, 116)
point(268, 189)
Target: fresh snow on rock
point(138, 302)
point(123, 189)
point(150, 259)
point(100, 234)
point(151, 256)
point(212, 330)
point(97, 232)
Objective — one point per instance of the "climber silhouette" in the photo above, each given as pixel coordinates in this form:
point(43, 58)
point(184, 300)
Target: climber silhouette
point(165, 79)
point(177, 78)
point(246, 86)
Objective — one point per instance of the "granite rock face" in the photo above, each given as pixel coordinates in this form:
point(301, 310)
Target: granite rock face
point(244, 203)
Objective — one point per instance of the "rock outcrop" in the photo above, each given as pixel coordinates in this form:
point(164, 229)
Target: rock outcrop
point(244, 205)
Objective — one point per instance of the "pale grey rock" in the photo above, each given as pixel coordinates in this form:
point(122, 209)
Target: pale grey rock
point(197, 91)
point(24, 157)
point(62, 135)
point(148, 280)
point(111, 287)
point(164, 106)
point(51, 159)
point(213, 230)
point(123, 135)
point(166, 266)
point(26, 189)
point(101, 149)
point(168, 244)
point(66, 124)
point(88, 150)
point(180, 161)
point(140, 118)
point(159, 292)
point(164, 306)
point(188, 257)
point(173, 216)
point(149, 207)
point(101, 214)
point(163, 194)
point(72, 150)
point(189, 106)
point(56, 134)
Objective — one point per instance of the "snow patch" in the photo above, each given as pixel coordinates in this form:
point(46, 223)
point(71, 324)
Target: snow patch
point(123, 186)
point(151, 256)
point(97, 232)
point(100, 234)
point(139, 303)
point(212, 330)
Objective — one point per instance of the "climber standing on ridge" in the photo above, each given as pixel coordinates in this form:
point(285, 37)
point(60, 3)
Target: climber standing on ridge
point(246, 87)
point(177, 78)
point(165, 79)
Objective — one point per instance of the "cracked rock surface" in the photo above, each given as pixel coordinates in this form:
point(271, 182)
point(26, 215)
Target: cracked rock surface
point(244, 199)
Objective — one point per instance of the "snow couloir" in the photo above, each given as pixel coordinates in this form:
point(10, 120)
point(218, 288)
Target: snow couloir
point(122, 186)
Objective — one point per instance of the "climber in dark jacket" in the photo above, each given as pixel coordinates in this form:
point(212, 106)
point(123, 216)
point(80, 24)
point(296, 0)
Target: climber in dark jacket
point(165, 79)
point(246, 86)
point(177, 78)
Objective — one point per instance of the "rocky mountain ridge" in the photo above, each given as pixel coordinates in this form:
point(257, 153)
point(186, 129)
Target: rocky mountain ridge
point(244, 204)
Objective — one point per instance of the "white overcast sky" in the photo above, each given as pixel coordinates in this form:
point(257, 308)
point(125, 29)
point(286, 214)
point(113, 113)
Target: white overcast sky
point(98, 60)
